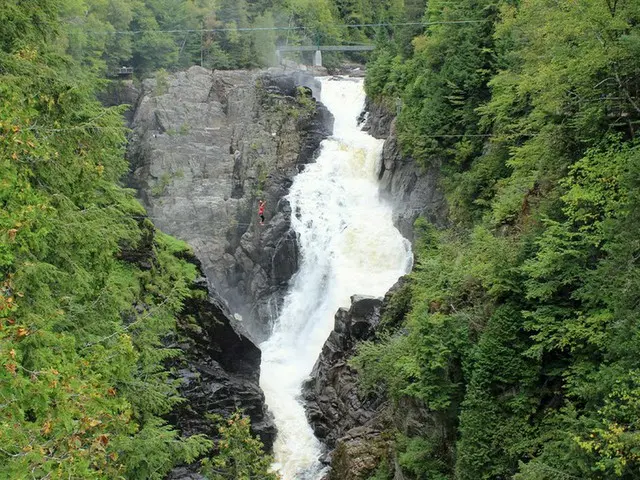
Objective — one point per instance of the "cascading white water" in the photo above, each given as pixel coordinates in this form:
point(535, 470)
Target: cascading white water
point(348, 245)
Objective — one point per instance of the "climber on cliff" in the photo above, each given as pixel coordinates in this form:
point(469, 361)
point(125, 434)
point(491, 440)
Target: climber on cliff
point(261, 206)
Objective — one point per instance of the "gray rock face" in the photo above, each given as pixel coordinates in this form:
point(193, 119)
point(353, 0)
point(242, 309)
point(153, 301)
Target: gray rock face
point(183, 473)
point(220, 370)
point(121, 92)
point(205, 148)
point(358, 454)
point(332, 401)
point(411, 190)
point(377, 119)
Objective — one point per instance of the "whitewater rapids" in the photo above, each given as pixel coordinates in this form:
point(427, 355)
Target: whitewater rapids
point(348, 245)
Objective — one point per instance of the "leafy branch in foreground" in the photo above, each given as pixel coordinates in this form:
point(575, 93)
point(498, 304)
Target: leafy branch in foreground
point(239, 456)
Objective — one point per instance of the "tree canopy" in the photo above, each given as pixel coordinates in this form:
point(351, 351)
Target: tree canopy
point(148, 35)
point(521, 334)
point(89, 291)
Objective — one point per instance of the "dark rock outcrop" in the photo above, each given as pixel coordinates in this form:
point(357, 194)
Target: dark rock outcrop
point(412, 190)
point(206, 146)
point(183, 473)
point(354, 426)
point(121, 92)
point(377, 119)
point(220, 371)
point(349, 423)
point(332, 401)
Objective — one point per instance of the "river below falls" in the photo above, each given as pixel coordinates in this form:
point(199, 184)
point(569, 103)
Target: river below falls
point(348, 245)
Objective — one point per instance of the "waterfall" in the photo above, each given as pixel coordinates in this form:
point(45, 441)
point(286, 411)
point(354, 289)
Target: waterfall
point(348, 245)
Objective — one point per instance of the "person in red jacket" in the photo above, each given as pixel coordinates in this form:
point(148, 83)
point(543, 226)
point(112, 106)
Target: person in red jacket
point(261, 206)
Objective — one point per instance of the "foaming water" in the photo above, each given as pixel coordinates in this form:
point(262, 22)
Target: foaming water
point(348, 245)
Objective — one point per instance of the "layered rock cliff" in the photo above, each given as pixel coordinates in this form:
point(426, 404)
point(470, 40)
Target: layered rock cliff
point(333, 403)
point(412, 190)
point(220, 369)
point(206, 146)
point(348, 422)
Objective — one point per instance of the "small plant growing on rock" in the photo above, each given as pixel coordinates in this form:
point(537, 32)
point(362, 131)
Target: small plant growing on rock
point(238, 454)
point(305, 100)
point(162, 82)
point(160, 187)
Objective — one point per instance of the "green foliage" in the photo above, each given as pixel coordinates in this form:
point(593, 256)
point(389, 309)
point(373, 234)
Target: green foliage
point(161, 185)
point(89, 291)
point(421, 458)
point(149, 35)
point(382, 472)
point(239, 455)
point(521, 332)
point(306, 101)
point(162, 82)
point(441, 83)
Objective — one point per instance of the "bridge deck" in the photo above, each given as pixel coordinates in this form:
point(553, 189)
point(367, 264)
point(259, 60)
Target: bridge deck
point(325, 48)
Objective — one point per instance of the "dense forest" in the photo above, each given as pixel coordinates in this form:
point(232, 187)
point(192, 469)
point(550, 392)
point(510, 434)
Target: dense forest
point(518, 329)
point(90, 291)
point(148, 35)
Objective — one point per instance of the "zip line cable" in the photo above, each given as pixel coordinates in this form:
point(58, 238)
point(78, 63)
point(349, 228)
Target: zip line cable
point(37, 128)
point(98, 127)
point(258, 29)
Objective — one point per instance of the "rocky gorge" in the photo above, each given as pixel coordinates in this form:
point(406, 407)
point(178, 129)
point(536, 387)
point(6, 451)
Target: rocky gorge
point(352, 424)
point(205, 147)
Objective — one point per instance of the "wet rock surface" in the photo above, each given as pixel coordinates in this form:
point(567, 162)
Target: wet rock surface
point(183, 473)
point(205, 147)
point(410, 189)
point(220, 370)
point(332, 401)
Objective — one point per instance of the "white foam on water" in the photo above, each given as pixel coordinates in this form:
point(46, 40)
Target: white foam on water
point(348, 245)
